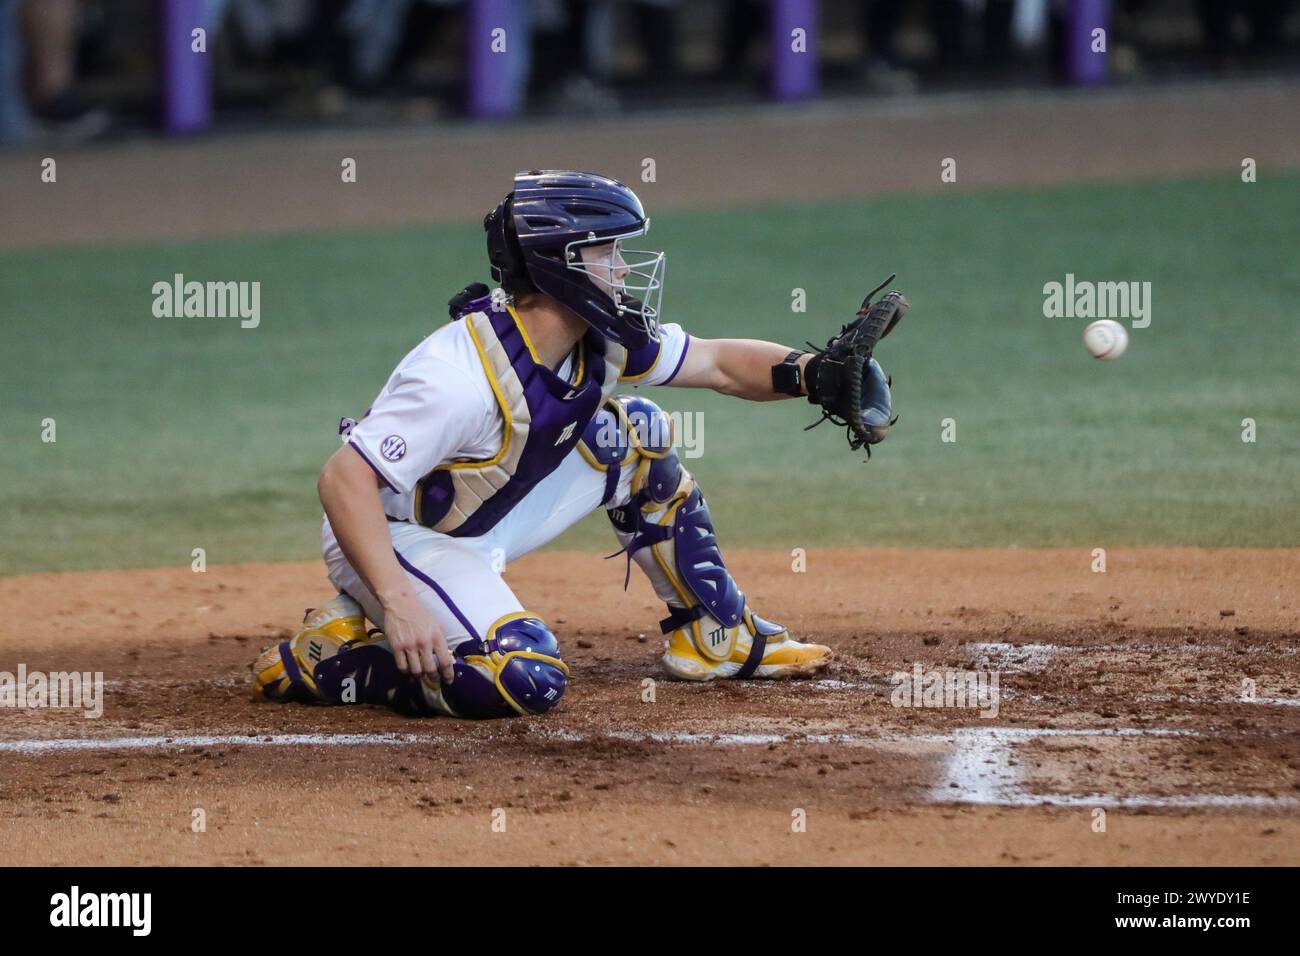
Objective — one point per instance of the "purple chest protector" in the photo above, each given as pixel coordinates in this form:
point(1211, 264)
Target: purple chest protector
point(544, 418)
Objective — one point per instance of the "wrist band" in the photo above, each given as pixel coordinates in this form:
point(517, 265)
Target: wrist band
point(787, 378)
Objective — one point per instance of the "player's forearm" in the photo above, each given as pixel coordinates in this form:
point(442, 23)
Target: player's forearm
point(350, 496)
point(744, 368)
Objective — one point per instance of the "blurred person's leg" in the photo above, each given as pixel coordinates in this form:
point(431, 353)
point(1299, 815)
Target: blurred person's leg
point(424, 21)
point(253, 19)
point(590, 88)
point(520, 14)
point(574, 39)
point(49, 30)
point(1216, 26)
point(372, 30)
point(309, 33)
point(1212, 16)
point(995, 32)
point(656, 29)
point(881, 67)
point(1266, 22)
point(552, 46)
point(948, 25)
point(598, 40)
point(880, 19)
point(13, 106)
point(743, 21)
point(1029, 23)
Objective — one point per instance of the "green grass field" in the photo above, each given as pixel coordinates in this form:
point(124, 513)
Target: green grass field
point(181, 433)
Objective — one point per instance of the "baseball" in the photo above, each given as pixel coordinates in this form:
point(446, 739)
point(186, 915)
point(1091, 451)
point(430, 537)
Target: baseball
point(1106, 339)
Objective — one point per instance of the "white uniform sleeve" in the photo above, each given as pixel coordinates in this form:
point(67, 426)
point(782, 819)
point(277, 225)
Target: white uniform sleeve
point(425, 414)
point(659, 362)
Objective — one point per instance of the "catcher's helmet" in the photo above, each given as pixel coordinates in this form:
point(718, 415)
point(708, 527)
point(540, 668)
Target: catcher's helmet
point(535, 238)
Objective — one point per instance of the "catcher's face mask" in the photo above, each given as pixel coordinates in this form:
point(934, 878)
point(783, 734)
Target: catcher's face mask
point(632, 279)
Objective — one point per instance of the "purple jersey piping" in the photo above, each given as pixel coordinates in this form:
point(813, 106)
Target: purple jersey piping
point(680, 359)
point(446, 598)
point(357, 448)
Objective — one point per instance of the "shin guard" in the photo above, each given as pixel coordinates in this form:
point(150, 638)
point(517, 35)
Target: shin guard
point(667, 530)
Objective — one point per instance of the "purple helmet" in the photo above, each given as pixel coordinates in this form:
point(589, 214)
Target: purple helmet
point(537, 239)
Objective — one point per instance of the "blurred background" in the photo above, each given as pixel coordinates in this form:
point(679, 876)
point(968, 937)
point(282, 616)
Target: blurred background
point(83, 69)
point(342, 154)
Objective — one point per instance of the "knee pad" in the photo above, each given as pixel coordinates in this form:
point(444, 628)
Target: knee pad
point(631, 428)
point(515, 670)
point(634, 429)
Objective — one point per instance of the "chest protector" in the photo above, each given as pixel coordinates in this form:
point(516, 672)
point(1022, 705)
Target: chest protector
point(543, 417)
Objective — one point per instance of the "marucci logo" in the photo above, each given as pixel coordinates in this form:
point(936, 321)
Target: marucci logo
point(566, 434)
point(102, 909)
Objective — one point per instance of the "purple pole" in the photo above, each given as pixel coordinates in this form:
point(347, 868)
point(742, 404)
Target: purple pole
point(794, 56)
point(1083, 66)
point(491, 88)
point(186, 76)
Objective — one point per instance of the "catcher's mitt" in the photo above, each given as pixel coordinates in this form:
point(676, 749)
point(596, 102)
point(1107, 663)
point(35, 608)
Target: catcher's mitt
point(847, 382)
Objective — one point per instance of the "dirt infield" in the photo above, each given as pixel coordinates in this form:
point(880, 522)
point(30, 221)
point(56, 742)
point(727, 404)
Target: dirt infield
point(1120, 693)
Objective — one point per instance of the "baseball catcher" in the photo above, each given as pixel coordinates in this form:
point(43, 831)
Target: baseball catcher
point(503, 428)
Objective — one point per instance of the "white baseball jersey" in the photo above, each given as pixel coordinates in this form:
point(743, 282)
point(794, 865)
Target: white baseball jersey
point(445, 410)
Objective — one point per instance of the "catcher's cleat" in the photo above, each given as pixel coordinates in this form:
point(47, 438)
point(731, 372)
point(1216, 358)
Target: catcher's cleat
point(286, 671)
point(775, 654)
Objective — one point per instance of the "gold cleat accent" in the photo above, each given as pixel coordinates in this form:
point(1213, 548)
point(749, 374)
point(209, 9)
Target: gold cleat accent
point(284, 671)
point(782, 657)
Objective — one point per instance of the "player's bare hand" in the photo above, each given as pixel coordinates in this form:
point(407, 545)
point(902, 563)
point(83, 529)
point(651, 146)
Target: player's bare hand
point(418, 644)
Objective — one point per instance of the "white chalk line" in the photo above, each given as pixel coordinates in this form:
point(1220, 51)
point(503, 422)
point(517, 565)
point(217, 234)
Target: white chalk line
point(979, 767)
point(177, 741)
point(205, 740)
point(982, 769)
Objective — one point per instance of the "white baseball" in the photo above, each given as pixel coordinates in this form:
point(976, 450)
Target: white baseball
point(1106, 339)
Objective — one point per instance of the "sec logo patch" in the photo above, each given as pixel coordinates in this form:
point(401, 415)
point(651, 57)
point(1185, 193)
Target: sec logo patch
point(393, 448)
